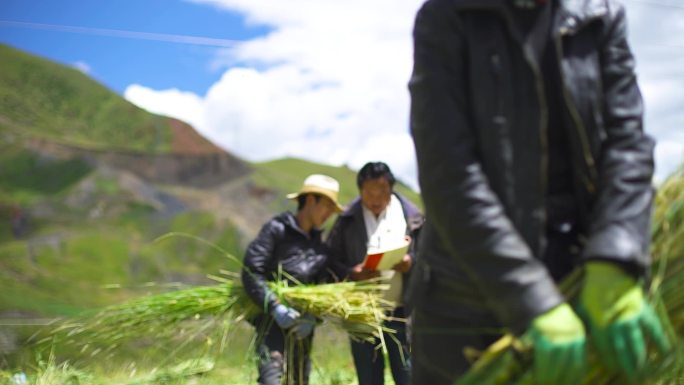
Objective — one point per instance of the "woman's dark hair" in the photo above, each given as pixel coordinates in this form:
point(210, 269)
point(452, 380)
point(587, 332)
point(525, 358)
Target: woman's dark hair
point(374, 170)
point(301, 200)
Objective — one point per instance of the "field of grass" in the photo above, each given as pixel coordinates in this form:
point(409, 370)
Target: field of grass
point(331, 358)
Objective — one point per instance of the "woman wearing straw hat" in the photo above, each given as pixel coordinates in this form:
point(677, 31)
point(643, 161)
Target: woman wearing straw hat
point(289, 245)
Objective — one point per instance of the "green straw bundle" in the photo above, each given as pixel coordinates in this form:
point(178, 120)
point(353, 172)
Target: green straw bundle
point(508, 361)
point(186, 314)
point(356, 307)
point(201, 312)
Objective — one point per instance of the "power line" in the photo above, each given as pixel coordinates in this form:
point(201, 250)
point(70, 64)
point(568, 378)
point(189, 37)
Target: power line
point(171, 38)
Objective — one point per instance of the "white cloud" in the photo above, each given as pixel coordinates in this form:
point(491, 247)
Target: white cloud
point(185, 106)
point(328, 83)
point(82, 66)
point(668, 156)
point(657, 36)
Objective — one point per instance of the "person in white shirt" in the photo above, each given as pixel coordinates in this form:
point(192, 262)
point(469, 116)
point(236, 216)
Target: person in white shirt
point(379, 219)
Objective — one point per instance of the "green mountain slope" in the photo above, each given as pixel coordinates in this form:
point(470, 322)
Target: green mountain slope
point(50, 100)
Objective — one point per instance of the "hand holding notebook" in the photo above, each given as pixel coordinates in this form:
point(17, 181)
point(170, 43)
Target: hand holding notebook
point(386, 258)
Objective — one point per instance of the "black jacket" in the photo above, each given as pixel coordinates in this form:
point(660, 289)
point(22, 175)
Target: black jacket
point(348, 240)
point(282, 243)
point(477, 117)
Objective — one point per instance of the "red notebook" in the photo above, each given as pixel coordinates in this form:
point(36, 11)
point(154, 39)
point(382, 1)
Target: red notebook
point(385, 259)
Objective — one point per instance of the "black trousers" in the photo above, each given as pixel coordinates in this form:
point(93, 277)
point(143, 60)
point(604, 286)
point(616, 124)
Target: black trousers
point(369, 359)
point(439, 346)
point(282, 355)
point(440, 343)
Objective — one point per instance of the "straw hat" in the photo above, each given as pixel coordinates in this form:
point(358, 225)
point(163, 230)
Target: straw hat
point(321, 185)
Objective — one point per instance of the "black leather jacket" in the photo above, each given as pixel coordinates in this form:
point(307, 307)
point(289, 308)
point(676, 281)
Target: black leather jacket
point(348, 240)
point(477, 118)
point(282, 242)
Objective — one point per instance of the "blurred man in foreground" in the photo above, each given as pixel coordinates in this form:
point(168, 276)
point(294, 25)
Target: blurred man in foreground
point(532, 160)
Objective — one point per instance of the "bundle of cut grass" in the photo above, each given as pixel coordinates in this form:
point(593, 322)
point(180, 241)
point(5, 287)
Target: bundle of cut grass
point(508, 361)
point(187, 314)
point(207, 313)
point(357, 307)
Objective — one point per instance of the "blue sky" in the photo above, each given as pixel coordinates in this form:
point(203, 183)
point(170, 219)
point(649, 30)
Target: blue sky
point(118, 62)
point(324, 80)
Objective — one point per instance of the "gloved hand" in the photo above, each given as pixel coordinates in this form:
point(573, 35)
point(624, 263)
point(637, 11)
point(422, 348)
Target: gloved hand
point(559, 347)
point(304, 326)
point(285, 316)
point(619, 319)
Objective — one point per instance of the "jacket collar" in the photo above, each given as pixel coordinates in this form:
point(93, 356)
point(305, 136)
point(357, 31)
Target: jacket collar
point(573, 13)
point(290, 220)
point(353, 208)
point(410, 210)
point(576, 13)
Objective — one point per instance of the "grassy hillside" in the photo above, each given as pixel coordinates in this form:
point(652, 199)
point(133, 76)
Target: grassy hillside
point(46, 99)
point(25, 177)
point(66, 226)
point(48, 273)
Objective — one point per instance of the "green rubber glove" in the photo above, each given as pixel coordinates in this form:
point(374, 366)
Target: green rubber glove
point(619, 319)
point(558, 339)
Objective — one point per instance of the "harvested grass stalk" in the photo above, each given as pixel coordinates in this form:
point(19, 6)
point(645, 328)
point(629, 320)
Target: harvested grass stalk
point(356, 307)
point(178, 314)
point(187, 314)
point(508, 361)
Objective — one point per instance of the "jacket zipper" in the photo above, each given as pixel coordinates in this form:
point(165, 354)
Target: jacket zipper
point(579, 124)
point(543, 134)
point(496, 70)
point(543, 115)
point(501, 124)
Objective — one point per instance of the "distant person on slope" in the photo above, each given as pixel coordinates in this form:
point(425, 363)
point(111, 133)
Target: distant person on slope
point(290, 242)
